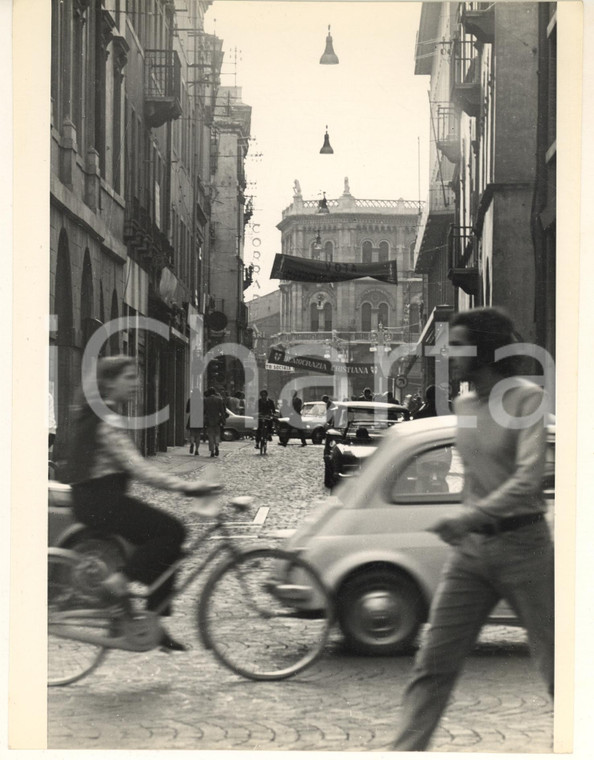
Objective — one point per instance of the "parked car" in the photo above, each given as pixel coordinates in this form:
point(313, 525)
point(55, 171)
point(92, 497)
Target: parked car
point(313, 418)
point(238, 426)
point(370, 542)
point(357, 428)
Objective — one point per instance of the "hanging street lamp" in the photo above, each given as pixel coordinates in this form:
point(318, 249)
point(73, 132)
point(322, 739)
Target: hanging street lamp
point(326, 147)
point(329, 56)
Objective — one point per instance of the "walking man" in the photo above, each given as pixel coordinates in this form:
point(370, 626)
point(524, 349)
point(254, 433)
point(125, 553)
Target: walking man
point(295, 417)
point(214, 418)
point(502, 545)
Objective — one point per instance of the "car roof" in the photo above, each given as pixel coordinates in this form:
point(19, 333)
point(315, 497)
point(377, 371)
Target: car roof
point(409, 436)
point(366, 405)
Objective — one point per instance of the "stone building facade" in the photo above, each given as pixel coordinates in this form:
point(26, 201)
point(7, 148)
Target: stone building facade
point(487, 236)
point(134, 92)
point(350, 320)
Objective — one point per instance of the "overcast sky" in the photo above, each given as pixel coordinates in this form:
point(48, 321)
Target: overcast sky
point(375, 107)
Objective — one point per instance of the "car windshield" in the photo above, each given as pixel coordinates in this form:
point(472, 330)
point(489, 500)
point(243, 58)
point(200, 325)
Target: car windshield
point(314, 409)
point(370, 424)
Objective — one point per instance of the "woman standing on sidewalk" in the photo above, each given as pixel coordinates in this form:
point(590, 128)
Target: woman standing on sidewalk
point(102, 462)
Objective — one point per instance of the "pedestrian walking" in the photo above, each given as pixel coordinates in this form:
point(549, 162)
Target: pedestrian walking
point(295, 419)
point(428, 408)
point(502, 545)
point(194, 432)
point(51, 422)
point(101, 462)
point(367, 395)
point(215, 415)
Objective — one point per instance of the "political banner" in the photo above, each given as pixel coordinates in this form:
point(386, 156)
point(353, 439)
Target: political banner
point(307, 270)
point(278, 358)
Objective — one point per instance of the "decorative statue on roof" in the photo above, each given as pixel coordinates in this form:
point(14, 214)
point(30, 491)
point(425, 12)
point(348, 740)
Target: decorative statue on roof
point(347, 189)
point(296, 188)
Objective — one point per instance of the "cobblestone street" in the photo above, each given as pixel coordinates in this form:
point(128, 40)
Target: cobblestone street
point(343, 702)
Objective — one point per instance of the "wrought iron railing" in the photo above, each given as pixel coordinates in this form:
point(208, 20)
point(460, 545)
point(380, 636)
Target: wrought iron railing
point(162, 74)
point(460, 246)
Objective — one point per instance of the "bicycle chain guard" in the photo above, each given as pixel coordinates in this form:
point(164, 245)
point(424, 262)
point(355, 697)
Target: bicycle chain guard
point(140, 632)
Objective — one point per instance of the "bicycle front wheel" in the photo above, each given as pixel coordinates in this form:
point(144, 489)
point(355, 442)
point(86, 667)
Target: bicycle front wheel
point(68, 660)
point(265, 614)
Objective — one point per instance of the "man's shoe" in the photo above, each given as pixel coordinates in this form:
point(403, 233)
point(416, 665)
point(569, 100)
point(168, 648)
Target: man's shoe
point(191, 448)
point(257, 446)
point(212, 454)
point(169, 644)
point(196, 453)
point(304, 444)
point(217, 451)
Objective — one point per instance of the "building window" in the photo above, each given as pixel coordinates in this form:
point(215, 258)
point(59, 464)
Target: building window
point(316, 251)
point(366, 317)
point(367, 252)
point(329, 251)
point(327, 317)
point(314, 317)
point(383, 314)
point(384, 251)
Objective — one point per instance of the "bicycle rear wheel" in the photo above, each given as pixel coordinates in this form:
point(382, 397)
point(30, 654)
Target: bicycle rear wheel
point(265, 614)
point(68, 660)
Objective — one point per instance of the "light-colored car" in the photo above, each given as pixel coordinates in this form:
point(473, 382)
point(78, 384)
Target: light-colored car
point(238, 425)
point(313, 419)
point(370, 539)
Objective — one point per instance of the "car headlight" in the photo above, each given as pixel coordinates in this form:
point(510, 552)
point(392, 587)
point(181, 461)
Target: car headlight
point(331, 444)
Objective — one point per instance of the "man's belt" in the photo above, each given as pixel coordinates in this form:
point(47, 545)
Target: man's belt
point(513, 523)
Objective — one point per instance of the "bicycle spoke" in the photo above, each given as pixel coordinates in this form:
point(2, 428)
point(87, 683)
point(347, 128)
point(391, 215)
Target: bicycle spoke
point(68, 659)
point(252, 623)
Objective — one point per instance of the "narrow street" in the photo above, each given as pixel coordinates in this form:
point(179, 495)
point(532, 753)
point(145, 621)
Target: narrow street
point(343, 702)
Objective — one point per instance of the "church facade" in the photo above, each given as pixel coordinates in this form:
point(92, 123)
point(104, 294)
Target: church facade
point(351, 321)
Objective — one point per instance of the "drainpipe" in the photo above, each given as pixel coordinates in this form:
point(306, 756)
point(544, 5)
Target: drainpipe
point(539, 196)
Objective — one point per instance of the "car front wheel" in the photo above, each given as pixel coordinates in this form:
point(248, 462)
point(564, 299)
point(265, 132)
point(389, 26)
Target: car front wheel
point(380, 612)
point(317, 436)
point(329, 478)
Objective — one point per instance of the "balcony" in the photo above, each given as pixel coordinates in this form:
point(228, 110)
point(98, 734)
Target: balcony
point(320, 337)
point(478, 19)
point(447, 130)
point(145, 239)
point(463, 271)
point(436, 219)
point(466, 76)
point(162, 87)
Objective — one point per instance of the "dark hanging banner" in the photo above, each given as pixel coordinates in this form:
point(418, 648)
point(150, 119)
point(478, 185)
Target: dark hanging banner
point(317, 364)
point(305, 270)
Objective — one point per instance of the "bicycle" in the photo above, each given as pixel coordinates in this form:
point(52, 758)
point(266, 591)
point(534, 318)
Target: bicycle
point(264, 612)
point(264, 434)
